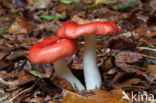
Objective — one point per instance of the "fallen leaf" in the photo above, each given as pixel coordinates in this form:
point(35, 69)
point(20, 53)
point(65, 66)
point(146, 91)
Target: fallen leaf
point(30, 2)
point(129, 57)
point(20, 26)
point(153, 5)
point(22, 77)
point(152, 34)
point(20, 94)
point(83, 21)
point(151, 22)
point(62, 83)
point(3, 64)
point(150, 43)
point(151, 70)
point(20, 3)
point(2, 54)
point(127, 61)
point(99, 96)
point(43, 71)
point(39, 4)
point(128, 83)
point(121, 44)
point(16, 54)
point(35, 100)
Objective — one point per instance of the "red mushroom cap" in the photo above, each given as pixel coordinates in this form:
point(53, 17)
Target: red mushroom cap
point(73, 30)
point(52, 49)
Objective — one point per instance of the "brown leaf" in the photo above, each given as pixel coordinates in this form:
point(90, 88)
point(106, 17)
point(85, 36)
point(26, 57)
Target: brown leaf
point(152, 34)
point(153, 4)
point(150, 42)
point(16, 54)
point(5, 21)
point(40, 100)
point(36, 100)
point(129, 57)
point(2, 54)
point(151, 70)
point(151, 22)
point(30, 2)
point(64, 84)
point(121, 44)
point(22, 77)
point(23, 94)
point(83, 21)
point(46, 70)
point(99, 96)
point(39, 4)
point(20, 26)
point(127, 83)
point(127, 62)
point(3, 64)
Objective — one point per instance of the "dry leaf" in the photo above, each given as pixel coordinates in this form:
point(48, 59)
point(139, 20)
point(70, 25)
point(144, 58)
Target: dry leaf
point(150, 43)
point(62, 83)
point(2, 54)
point(30, 2)
point(99, 96)
point(39, 4)
point(153, 5)
point(130, 57)
point(16, 54)
point(127, 83)
point(122, 44)
point(99, 2)
point(20, 26)
point(127, 61)
point(22, 77)
point(35, 100)
point(3, 64)
point(152, 34)
point(83, 21)
point(151, 70)
point(39, 100)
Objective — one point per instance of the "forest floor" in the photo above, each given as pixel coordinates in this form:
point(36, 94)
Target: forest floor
point(127, 62)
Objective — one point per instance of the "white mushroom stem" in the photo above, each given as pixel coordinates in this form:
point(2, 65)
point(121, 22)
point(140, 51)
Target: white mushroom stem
point(62, 70)
point(91, 72)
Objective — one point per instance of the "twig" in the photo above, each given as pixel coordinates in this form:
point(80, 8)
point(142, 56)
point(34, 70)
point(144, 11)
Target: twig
point(146, 48)
point(147, 56)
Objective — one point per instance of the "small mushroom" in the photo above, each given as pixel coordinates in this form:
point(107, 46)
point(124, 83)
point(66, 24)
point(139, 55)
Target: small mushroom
point(73, 30)
point(53, 50)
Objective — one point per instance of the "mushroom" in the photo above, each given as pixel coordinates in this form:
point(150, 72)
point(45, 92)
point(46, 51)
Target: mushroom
point(53, 50)
point(73, 30)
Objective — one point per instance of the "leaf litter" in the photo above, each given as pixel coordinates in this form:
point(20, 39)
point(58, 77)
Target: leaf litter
point(126, 62)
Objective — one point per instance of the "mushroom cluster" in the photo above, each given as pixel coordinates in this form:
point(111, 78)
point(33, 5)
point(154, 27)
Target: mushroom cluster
point(73, 30)
point(54, 49)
